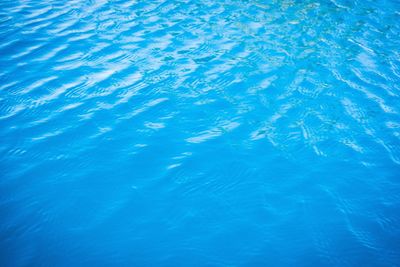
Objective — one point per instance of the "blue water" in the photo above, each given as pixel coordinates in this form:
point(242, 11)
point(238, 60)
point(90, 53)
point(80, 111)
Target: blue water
point(199, 133)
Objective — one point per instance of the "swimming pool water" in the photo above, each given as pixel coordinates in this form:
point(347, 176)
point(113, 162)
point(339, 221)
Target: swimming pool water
point(199, 133)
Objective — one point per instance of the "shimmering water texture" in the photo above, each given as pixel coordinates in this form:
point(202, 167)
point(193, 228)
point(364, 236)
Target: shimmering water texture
point(200, 133)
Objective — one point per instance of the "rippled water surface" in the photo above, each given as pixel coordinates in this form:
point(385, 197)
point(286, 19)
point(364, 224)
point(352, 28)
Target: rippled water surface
point(199, 133)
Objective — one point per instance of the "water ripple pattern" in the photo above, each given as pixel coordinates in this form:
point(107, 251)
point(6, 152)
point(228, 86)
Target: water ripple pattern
point(199, 133)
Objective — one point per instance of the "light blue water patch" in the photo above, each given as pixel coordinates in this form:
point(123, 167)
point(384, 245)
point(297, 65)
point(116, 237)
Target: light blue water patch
point(199, 133)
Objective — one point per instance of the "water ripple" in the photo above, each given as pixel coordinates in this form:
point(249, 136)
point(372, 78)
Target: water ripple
point(220, 133)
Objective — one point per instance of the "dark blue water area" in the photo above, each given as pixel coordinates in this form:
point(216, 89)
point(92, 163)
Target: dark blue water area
point(199, 133)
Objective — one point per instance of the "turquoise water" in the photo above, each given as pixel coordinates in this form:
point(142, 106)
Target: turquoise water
point(199, 133)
